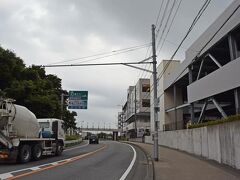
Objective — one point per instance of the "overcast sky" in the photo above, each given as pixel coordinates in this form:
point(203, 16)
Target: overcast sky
point(43, 32)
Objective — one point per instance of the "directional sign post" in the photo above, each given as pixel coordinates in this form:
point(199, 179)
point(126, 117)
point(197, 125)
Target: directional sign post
point(78, 100)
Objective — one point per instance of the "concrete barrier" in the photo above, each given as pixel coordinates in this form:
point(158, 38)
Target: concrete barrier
point(219, 142)
point(72, 142)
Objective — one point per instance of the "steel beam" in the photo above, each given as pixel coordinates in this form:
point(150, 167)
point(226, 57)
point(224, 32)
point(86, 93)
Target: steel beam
point(138, 68)
point(219, 108)
point(200, 69)
point(237, 100)
point(203, 111)
point(215, 61)
point(233, 54)
point(178, 107)
point(232, 47)
point(175, 104)
point(190, 78)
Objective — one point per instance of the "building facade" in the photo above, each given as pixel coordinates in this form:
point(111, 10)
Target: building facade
point(136, 110)
point(206, 85)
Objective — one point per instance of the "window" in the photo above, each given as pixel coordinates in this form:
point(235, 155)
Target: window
point(145, 88)
point(44, 124)
point(146, 103)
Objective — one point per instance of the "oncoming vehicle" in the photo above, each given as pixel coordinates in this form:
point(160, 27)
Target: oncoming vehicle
point(93, 139)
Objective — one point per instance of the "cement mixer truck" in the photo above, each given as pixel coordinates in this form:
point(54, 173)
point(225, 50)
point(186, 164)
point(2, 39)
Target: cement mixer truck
point(23, 137)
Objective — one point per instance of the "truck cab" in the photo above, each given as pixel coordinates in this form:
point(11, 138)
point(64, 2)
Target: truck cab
point(51, 127)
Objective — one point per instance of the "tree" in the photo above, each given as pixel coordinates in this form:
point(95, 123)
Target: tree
point(32, 88)
point(69, 119)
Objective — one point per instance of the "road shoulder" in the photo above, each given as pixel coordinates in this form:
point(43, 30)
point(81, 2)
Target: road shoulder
point(148, 160)
point(177, 165)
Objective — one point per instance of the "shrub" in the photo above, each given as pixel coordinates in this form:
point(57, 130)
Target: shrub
point(216, 121)
point(72, 137)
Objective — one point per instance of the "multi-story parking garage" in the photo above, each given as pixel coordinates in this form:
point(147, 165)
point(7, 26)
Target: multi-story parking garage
point(206, 85)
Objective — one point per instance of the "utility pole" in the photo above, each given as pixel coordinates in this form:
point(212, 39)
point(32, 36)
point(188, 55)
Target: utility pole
point(135, 111)
point(155, 145)
point(62, 103)
point(62, 100)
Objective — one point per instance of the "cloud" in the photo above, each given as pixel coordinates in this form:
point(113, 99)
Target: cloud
point(44, 32)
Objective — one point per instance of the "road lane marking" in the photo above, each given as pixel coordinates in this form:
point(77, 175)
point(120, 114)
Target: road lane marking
point(6, 176)
point(77, 147)
point(131, 164)
point(36, 169)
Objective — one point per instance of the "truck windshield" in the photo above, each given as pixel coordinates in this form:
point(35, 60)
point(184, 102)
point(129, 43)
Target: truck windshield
point(44, 124)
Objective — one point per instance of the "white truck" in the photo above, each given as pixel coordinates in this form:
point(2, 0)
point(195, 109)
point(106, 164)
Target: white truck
point(23, 137)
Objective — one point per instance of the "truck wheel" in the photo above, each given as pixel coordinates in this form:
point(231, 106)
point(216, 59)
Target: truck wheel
point(24, 154)
point(59, 150)
point(37, 152)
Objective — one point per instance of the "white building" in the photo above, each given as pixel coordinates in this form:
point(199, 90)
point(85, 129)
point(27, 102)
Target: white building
point(206, 85)
point(136, 111)
point(164, 100)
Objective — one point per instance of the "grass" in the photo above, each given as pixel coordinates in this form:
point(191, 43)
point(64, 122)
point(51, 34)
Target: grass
point(71, 138)
point(216, 122)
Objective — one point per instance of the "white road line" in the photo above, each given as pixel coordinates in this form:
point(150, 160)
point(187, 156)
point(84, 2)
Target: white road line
point(5, 176)
point(9, 174)
point(131, 164)
point(34, 168)
point(77, 147)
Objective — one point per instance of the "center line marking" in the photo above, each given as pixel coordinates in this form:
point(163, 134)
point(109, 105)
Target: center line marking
point(9, 175)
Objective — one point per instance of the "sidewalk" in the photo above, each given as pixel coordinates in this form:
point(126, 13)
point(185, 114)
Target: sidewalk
point(177, 165)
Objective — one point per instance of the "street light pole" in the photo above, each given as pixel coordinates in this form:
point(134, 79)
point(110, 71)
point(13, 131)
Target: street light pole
point(155, 145)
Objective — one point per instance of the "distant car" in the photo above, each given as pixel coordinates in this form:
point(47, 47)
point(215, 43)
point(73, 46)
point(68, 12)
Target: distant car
point(93, 139)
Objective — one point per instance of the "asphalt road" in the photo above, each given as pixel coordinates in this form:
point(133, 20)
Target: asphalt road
point(108, 160)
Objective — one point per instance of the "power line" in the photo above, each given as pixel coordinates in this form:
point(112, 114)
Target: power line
point(203, 8)
point(145, 65)
point(162, 19)
point(194, 59)
point(159, 12)
point(205, 5)
point(174, 16)
point(165, 26)
point(141, 73)
point(99, 64)
point(161, 23)
point(199, 14)
point(112, 53)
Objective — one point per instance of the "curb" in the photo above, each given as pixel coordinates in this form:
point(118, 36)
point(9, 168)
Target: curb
point(151, 174)
point(72, 143)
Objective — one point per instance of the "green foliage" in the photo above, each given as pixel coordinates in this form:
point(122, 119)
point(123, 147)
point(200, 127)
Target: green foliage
point(217, 121)
point(69, 120)
point(72, 137)
point(32, 88)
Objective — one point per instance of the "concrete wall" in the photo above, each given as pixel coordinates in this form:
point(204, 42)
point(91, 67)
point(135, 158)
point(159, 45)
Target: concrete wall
point(219, 142)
